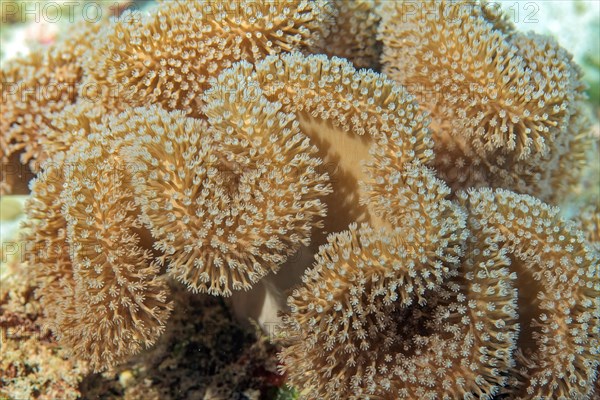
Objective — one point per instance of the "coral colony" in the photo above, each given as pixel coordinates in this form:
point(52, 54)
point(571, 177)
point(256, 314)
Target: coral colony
point(193, 149)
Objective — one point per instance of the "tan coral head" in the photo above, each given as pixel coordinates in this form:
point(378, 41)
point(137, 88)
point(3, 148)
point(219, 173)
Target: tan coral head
point(225, 208)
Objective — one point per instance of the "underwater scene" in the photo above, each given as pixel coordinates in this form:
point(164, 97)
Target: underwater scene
point(299, 199)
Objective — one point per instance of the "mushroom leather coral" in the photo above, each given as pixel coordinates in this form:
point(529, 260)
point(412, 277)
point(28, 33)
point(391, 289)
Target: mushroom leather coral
point(472, 335)
point(343, 111)
point(323, 94)
point(501, 101)
point(103, 297)
point(502, 106)
point(373, 320)
point(558, 280)
point(229, 203)
point(168, 57)
point(347, 114)
point(238, 155)
point(34, 88)
point(126, 304)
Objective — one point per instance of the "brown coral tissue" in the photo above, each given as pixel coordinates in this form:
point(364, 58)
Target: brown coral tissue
point(103, 296)
point(354, 33)
point(558, 281)
point(226, 204)
point(122, 302)
point(168, 57)
point(371, 321)
point(518, 317)
point(34, 89)
point(505, 105)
